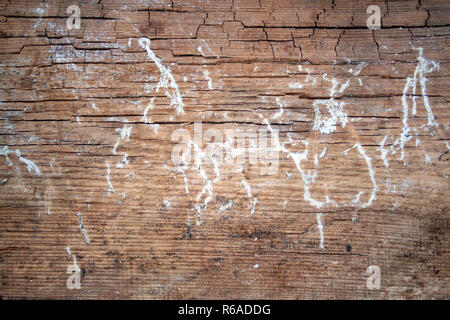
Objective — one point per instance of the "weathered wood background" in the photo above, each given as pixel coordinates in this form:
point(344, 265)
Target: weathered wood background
point(87, 176)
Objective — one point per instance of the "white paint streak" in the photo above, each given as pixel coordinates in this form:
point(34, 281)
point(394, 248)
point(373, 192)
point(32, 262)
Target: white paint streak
point(327, 125)
point(322, 154)
point(124, 162)
point(424, 66)
point(108, 179)
point(371, 174)
point(227, 206)
point(384, 152)
point(206, 74)
point(31, 166)
point(360, 67)
point(281, 105)
point(427, 160)
point(248, 189)
point(167, 80)
point(124, 135)
point(320, 227)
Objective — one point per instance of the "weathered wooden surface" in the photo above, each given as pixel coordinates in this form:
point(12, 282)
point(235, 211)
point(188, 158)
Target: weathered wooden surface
point(93, 178)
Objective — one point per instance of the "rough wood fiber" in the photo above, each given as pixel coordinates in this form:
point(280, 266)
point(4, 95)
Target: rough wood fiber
point(93, 177)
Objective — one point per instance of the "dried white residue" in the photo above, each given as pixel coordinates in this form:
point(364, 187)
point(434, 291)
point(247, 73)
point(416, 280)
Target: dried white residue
point(48, 202)
point(316, 160)
point(94, 106)
point(309, 78)
point(148, 119)
point(124, 135)
point(324, 125)
point(357, 70)
point(40, 12)
point(110, 187)
point(248, 189)
point(384, 152)
point(200, 49)
point(320, 227)
point(358, 196)
point(327, 124)
point(227, 206)
point(206, 74)
point(323, 153)
point(371, 174)
point(181, 169)
point(424, 66)
point(295, 85)
point(289, 175)
point(427, 160)
point(208, 184)
point(83, 229)
point(297, 157)
point(31, 166)
point(145, 118)
point(166, 204)
point(167, 81)
point(309, 177)
point(124, 162)
point(281, 105)
point(252, 210)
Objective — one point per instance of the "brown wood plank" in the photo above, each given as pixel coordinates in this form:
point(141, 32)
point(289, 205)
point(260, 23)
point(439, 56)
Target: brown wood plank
point(361, 165)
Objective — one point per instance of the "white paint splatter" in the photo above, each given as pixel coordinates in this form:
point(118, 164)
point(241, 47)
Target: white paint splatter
point(167, 80)
point(320, 227)
point(31, 166)
point(166, 203)
point(124, 162)
point(295, 85)
point(281, 105)
point(384, 152)
point(322, 154)
point(108, 179)
point(227, 206)
point(94, 106)
point(357, 70)
point(424, 66)
point(371, 174)
point(124, 135)
point(248, 189)
point(145, 118)
point(329, 124)
point(206, 74)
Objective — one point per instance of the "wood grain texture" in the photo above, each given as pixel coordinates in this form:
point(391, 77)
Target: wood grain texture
point(85, 149)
